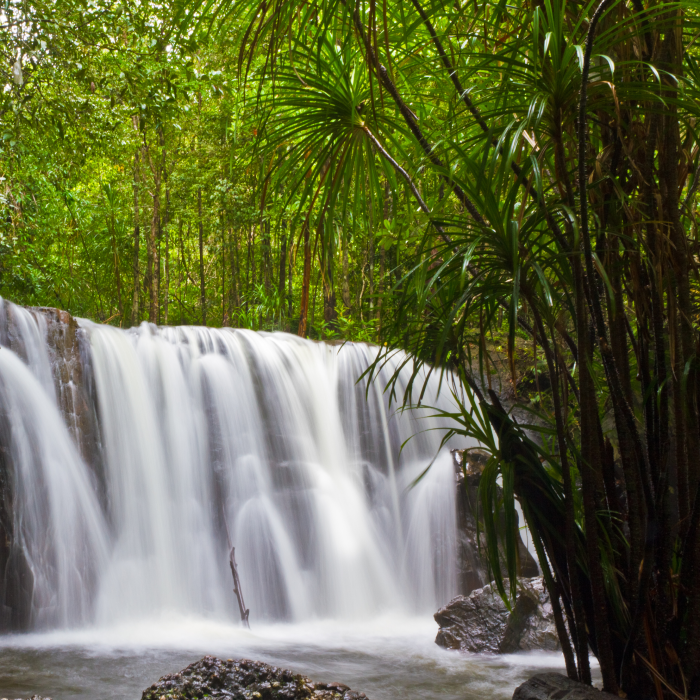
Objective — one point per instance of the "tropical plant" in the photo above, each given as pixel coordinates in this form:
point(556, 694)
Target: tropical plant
point(551, 149)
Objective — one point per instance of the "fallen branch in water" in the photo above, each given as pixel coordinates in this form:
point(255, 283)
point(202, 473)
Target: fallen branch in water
point(237, 588)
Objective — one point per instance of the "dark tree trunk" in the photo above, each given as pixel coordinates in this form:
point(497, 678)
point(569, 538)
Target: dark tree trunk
point(135, 298)
point(306, 280)
point(203, 291)
point(282, 276)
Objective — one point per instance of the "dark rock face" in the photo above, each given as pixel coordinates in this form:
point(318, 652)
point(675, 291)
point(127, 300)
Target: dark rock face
point(243, 680)
point(69, 353)
point(473, 569)
point(68, 349)
point(555, 686)
point(481, 623)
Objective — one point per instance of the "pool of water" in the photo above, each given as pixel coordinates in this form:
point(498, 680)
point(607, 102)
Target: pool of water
point(387, 658)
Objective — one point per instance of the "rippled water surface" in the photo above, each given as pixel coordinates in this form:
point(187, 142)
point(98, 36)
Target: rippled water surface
point(387, 659)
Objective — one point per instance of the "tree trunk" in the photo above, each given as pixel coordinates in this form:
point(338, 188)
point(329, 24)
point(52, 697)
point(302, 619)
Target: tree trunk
point(224, 311)
point(135, 299)
point(203, 293)
point(117, 276)
point(166, 224)
point(304, 306)
point(282, 268)
point(346, 283)
point(330, 315)
point(291, 275)
point(153, 236)
point(167, 274)
point(234, 294)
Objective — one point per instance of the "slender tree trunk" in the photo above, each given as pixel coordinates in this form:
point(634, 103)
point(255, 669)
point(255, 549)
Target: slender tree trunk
point(370, 270)
point(165, 227)
point(183, 265)
point(203, 293)
point(152, 271)
point(167, 274)
point(330, 315)
point(314, 296)
point(382, 255)
point(304, 307)
point(346, 283)
point(266, 270)
point(224, 312)
point(291, 275)
point(135, 299)
point(234, 295)
point(117, 276)
point(180, 255)
point(153, 262)
point(577, 620)
point(590, 461)
point(282, 268)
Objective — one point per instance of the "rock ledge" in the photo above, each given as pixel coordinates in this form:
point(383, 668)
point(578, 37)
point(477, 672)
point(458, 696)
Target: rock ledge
point(243, 679)
point(555, 686)
point(481, 623)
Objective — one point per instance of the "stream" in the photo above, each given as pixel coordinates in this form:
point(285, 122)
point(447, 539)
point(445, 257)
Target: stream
point(133, 460)
point(390, 658)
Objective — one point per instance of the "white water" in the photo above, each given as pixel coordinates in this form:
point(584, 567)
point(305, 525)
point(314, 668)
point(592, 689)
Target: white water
point(207, 435)
point(58, 522)
point(203, 431)
point(392, 657)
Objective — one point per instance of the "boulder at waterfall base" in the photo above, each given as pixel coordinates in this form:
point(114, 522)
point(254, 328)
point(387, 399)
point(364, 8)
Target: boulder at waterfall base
point(481, 622)
point(243, 680)
point(555, 686)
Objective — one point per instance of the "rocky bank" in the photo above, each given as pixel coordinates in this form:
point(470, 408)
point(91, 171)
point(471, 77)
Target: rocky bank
point(481, 622)
point(243, 679)
point(555, 686)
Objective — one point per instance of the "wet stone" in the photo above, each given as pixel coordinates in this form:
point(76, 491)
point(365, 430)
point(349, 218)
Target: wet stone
point(555, 686)
point(481, 623)
point(243, 679)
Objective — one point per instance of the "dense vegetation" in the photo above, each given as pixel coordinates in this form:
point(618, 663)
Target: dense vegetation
point(452, 178)
point(134, 186)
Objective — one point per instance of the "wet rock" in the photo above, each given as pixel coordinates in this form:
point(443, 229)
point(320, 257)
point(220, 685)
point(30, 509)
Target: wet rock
point(34, 697)
point(243, 679)
point(555, 686)
point(69, 352)
point(472, 567)
point(481, 623)
point(67, 346)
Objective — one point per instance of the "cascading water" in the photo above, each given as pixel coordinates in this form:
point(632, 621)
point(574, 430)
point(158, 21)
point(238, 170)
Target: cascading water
point(209, 436)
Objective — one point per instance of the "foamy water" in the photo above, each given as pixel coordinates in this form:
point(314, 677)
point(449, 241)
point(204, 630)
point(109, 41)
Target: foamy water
point(388, 658)
point(216, 437)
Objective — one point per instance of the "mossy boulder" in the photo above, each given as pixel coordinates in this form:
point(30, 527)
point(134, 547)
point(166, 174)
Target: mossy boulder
point(243, 679)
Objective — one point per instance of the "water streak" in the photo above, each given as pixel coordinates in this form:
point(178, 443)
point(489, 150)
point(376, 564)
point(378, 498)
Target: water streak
point(216, 435)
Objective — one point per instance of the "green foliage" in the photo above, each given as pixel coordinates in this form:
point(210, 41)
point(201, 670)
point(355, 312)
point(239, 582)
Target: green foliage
point(475, 183)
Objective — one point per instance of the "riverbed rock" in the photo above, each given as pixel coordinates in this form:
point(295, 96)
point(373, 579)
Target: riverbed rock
point(481, 622)
point(555, 686)
point(472, 566)
point(243, 679)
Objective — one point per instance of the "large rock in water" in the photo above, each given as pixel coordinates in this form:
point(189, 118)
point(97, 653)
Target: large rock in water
point(472, 568)
point(555, 686)
point(481, 622)
point(243, 680)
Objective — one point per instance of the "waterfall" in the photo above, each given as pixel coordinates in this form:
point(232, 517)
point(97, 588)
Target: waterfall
point(207, 437)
